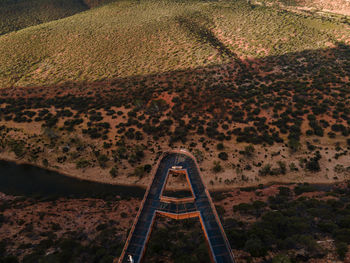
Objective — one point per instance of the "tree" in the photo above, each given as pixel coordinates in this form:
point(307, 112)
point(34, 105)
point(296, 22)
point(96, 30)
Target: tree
point(293, 167)
point(255, 247)
point(223, 156)
point(293, 145)
point(220, 146)
point(282, 167)
point(249, 151)
point(45, 162)
point(114, 172)
point(313, 165)
point(147, 168)
point(217, 167)
point(139, 171)
point(199, 155)
point(342, 249)
point(102, 160)
point(17, 147)
point(82, 163)
point(265, 170)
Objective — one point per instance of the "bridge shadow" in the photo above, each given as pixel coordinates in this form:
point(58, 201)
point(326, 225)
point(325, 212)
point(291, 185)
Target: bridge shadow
point(197, 25)
point(309, 78)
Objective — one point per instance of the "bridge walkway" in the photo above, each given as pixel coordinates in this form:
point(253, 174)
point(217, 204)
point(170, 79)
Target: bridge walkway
point(139, 234)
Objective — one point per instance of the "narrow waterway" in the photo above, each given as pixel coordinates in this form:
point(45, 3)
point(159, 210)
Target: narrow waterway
point(27, 180)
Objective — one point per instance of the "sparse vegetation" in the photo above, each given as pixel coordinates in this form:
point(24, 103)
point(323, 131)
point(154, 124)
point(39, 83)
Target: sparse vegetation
point(194, 83)
point(254, 84)
point(217, 168)
point(286, 225)
point(43, 63)
point(171, 240)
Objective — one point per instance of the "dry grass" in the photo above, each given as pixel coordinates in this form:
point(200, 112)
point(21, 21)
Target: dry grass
point(127, 38)
point(15, 15)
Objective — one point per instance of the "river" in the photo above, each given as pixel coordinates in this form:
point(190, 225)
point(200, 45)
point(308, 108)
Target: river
point(27, 180)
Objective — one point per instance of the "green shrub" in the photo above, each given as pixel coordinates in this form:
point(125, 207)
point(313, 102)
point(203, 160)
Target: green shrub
point(223, 156)
point(82, 163)
point(265, 170)
point(147, 168)
point(139, 171)
point(102, 160)
point(249, 151)
point(114, 171)
point(342, 249)
point(18, 147)
point(313, 165)
point(217, 168)
point(255, 247)
point(220, 146)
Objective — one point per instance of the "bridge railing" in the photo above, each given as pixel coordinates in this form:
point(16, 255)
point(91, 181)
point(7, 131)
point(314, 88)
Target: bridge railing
point(176, 200)
point(154, 172)
point(209, 198)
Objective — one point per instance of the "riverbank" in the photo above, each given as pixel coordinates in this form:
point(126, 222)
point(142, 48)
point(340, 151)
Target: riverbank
point(56, 175)
point(79, 176)
point(27, 180)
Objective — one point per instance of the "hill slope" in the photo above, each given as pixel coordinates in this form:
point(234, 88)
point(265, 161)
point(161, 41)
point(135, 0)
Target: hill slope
point(18, 14)
point(126, 38)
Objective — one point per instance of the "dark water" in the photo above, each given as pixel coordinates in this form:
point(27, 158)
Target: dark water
point(27, 180)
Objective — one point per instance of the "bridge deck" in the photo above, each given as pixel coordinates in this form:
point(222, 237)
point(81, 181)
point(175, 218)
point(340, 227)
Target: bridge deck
point(139, 235)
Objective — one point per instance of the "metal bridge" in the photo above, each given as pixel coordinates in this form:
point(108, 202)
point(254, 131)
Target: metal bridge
point(201, 206)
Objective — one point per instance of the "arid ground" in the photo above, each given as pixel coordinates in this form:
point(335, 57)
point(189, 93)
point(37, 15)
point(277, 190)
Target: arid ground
point(262, 223)
point(258, 91)
point(255, 104)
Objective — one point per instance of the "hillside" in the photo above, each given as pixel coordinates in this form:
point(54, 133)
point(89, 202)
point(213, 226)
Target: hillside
point(336, 6)
point(257, 93)
point(19, 14)
point(104, 43)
